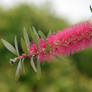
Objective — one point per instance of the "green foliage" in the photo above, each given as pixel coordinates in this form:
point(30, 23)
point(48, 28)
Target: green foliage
point(19, 69)
point(83, 62)
point(26, 38)
point(47, 47)
point(42, 35)
point(38, 69)
point(23, 45)
point(90, 8)
point(16, 46)
point(50, 32)
point(9, 46)
point(33, 64)
point(34, 35)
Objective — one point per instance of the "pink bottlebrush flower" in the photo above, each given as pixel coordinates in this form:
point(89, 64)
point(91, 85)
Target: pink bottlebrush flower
point(42, 51)
point(51, 39)
point(64, 42)
point(42, 45)
point(71, 39)
point(45, 56)
point(33, 49)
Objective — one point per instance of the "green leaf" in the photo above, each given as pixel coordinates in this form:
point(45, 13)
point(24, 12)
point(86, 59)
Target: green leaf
point(33, 64)
point(23, 66)
point(26, 38)
point(50, 32)
point(38, 70)
point(9, 46)
point(19, 69)
point(16, 46)
point(47, 48)
point(23, 45)
point(35, 32)
point(42, 35)
point(34, 35)
point(90, 8)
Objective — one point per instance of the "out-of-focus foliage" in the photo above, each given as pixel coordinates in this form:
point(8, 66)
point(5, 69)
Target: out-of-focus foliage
point(57, 75)
point(83, 61)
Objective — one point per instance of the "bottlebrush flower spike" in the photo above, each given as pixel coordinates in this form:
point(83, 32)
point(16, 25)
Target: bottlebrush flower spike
point(42, 44)
point(72, 39)
point(44, 56)
point(33, 49)
point(64, 42)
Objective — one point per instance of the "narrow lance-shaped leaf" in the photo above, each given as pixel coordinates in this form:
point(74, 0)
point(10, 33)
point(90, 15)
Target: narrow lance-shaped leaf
point(42, 35)
point(50, 32)
point(26, 38)
point(47, 48)
point(23, 66)
point(23, 45)
point(35, 32)
point(38, 69)
point(90, 8)
point(34, 35)
point(33, 64)
point(16, 46)
point(9, 46)
point(19, 69)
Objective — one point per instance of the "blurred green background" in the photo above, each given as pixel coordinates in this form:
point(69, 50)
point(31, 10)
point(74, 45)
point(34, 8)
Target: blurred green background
point(74, 74)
